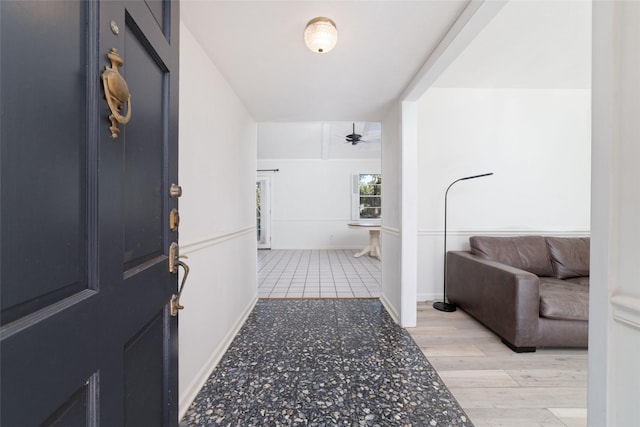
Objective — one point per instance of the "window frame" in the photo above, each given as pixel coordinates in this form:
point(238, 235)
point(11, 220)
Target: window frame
point(356, 196)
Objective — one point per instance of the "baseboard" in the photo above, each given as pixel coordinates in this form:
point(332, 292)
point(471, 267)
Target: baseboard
point(390, 309)
point(429, 297)
point(201, 378)
point(321, 248)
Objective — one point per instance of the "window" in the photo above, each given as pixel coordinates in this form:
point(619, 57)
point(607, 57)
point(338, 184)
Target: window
point(367, 196)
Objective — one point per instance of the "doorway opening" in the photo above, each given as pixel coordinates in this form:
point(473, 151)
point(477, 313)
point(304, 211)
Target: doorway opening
point(263, 212)
point(329, 177)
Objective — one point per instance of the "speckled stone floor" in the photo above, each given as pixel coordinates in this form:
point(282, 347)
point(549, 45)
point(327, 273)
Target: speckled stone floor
point(324, 362)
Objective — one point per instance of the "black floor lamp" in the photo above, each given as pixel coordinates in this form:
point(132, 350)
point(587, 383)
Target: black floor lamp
point(444, 305)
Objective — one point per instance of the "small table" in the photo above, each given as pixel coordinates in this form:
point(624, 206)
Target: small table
point(373, 248)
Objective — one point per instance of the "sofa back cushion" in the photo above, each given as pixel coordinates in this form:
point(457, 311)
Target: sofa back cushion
point(529, 253)
point(569, 256)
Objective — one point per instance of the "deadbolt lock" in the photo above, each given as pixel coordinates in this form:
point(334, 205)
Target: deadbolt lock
point(174, 219)
point(175, 191)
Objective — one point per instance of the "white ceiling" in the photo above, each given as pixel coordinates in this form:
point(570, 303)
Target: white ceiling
point(529, 44)
point(258, 47)
point(317, 140)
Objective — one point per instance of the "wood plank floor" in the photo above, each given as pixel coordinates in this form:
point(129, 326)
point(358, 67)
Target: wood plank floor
point(495, 386)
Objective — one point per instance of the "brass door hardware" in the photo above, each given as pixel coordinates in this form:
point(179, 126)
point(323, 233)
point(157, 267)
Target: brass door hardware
point(174, 254)
point(174, 219)
point(175, 191)
point(114, 28)
point(116, 92)
point(174, 264)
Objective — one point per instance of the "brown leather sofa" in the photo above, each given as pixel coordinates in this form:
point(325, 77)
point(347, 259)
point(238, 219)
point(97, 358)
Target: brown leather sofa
point(532, 291)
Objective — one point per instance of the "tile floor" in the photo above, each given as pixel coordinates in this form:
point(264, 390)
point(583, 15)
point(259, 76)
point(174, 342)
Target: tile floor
point(317, 274)
point(328, 362)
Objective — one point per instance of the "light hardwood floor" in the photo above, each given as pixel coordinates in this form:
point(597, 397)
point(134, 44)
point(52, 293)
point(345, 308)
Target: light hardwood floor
point(494, 385)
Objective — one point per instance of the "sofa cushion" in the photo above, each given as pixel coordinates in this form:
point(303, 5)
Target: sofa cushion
point(529, 253)
point(583, 280)
point(569, 256)
point(561, 299)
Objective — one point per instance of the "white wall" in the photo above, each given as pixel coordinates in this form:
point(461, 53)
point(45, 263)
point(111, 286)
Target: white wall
point(311, 194)
point(311, 203)
point(400, 274)
point(217, 231)
point(391, 220)
point(614, 306)
point(537, 143)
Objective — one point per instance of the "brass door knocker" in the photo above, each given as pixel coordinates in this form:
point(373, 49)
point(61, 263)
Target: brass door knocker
point(116, 92)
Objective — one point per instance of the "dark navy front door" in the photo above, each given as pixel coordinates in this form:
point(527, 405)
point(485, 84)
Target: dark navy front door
point(87, 337)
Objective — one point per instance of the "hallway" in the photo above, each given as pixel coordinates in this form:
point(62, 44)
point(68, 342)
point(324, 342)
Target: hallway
point(330, 362)
point(333, 273)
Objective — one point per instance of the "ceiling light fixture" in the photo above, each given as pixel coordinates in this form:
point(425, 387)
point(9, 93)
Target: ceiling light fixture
point(320, 35)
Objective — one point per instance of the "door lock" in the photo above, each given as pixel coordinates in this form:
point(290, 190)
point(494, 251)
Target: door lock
point(174, 264)
point(174, 219)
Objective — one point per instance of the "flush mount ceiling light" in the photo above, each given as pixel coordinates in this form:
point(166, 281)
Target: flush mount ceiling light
point(321, 35)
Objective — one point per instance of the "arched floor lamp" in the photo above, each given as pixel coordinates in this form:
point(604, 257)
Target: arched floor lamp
point(444, 305)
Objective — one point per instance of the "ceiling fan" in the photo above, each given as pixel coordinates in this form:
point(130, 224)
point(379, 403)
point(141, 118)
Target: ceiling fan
point(353, 137)
point(370, 133)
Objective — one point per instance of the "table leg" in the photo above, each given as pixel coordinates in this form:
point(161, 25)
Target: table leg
point(373, 248)
point(374, 243)
point(366, 250)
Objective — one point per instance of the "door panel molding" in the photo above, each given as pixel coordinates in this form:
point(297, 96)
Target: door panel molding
point(44, 128)
point(6, 331)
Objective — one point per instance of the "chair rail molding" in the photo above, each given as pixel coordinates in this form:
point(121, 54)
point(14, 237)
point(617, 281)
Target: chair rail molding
point(197, 245)
point(390, 230)
point(345, 220)
point(502, 232)
point(626, 310)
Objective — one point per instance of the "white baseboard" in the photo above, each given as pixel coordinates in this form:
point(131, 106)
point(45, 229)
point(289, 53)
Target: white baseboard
point(319, 248)
point(428, 297)
point(390, 309)
point(201, 378)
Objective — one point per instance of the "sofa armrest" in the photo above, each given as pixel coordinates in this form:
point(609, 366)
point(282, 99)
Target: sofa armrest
point(503, 298)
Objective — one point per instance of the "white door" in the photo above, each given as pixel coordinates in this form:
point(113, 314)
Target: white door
point(263, 212)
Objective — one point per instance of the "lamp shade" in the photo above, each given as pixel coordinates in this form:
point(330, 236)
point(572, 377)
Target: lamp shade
point(321, 35)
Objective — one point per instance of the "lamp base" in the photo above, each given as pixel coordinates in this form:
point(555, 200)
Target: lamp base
point(444, 306)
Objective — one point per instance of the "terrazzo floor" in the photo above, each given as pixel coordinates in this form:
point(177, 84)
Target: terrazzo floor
point(330, 362)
